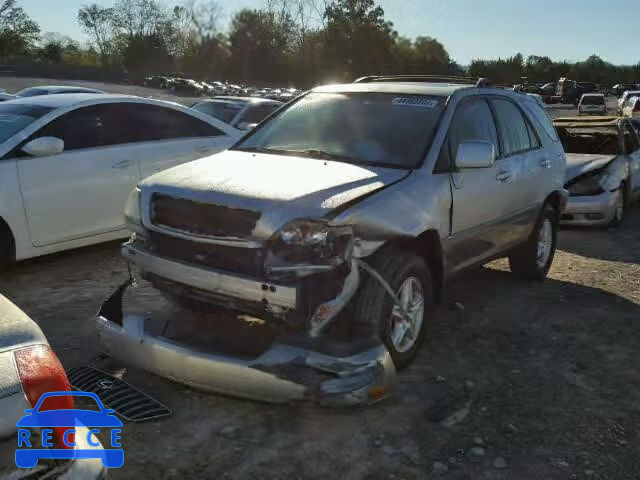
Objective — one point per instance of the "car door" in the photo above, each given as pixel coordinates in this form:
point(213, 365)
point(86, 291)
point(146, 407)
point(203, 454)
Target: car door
point(80, 192)
point(481, 196)
point(161, 137)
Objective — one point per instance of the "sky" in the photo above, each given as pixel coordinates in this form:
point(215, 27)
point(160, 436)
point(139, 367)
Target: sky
point(570, 29)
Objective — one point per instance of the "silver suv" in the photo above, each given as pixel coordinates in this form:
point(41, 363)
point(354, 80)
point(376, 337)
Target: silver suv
point(352, 206)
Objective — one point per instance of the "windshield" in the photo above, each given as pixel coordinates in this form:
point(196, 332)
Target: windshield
point(593, 100)
point(14, 118)
point(386, 129)
point(224, 111)
point(32, 92)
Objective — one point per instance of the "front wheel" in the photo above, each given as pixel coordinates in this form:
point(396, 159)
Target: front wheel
point(532, 260)
point(408, 276)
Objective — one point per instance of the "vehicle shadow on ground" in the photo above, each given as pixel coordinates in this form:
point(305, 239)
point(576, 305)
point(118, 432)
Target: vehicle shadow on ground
point(618, 245)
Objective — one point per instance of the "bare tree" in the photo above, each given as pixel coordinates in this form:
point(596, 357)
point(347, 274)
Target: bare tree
point(97, 23)
point(204, 17)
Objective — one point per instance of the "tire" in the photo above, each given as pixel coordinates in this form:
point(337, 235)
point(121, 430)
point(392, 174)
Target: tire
point(373, 307)
point(621, 203)
point(528, 261)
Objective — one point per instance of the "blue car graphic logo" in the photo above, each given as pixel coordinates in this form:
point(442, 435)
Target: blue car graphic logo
point(69, 419)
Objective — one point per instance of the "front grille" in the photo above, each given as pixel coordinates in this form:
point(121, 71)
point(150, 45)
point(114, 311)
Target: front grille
point(246, 261)
point(201, 218)
point(128, 402)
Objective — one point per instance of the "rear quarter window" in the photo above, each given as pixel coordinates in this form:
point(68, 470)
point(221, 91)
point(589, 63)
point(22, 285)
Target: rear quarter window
point(541, 120)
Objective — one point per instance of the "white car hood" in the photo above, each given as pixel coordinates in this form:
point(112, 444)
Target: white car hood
point(579, 163)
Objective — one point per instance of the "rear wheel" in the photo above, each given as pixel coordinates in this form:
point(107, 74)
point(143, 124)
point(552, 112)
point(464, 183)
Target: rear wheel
point(408, 276)
point(532, 260)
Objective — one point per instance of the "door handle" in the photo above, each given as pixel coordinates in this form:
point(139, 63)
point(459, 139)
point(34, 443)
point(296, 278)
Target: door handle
point(203, 149)
point(504, 177)
point(544, 162)
point(122, 164)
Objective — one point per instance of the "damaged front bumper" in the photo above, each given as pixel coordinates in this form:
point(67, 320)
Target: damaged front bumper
point(294, 368)
point(590, 210)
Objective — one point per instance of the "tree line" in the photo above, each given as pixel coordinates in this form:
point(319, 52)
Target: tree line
point(300, 42)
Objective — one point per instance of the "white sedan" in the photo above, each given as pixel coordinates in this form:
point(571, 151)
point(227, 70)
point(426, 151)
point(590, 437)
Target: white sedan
point(68, 163)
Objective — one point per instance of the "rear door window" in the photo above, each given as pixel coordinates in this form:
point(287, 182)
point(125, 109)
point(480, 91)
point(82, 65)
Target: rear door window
point(145, 123)
point(513, 131)
point(542, 120)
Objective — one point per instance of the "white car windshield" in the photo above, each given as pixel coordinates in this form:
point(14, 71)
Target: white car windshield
point(384, 129)
point(14, 118)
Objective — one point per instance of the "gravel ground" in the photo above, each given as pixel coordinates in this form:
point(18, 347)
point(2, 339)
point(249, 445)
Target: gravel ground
point(520, 380)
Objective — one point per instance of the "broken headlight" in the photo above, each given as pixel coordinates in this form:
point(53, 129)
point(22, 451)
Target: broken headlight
point(305, 244)
point(133, 212)
point(588, 184)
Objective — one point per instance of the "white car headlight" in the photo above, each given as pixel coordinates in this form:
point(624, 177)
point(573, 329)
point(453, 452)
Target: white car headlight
point(589, 184)
point(133, 212)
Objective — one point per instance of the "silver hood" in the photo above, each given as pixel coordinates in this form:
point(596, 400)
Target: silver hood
point(281, 188)
point(579, 163)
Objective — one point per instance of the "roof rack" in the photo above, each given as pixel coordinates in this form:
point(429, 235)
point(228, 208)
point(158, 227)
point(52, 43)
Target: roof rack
point(478, 82)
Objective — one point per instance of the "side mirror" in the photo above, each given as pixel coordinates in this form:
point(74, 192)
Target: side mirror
point(44, 146)
point(246, 126)
point(475, 154)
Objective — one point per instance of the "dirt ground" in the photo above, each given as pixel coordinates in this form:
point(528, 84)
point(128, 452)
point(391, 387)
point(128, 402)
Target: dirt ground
point(520, 380)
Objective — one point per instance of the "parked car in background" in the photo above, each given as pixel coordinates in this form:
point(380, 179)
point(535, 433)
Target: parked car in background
point(548, 89)
point(156, 81)
point(631, 107)
point(570, 91)
point(70, 161)
point(603, 169)
point(343, 200)
point(54, 90)
point(592, 104)
point(185, 85)
point(620, 88)
point(239, 112)
point(216, 88)
point(29, 369)
point(624, 97)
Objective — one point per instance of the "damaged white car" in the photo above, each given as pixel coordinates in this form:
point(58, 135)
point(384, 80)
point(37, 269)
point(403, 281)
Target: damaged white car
point(603, 169)
point(350, 207)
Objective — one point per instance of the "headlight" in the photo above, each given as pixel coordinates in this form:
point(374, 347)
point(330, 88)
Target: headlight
point(588, 184)
point(308, 243)
point(133, 212)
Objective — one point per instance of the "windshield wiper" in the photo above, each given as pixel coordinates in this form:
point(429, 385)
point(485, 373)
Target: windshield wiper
point(322, 155)
point(258, 149)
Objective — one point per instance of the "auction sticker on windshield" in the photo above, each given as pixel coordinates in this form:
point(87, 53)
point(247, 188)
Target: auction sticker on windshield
point(59, 431)
point(415, 102)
